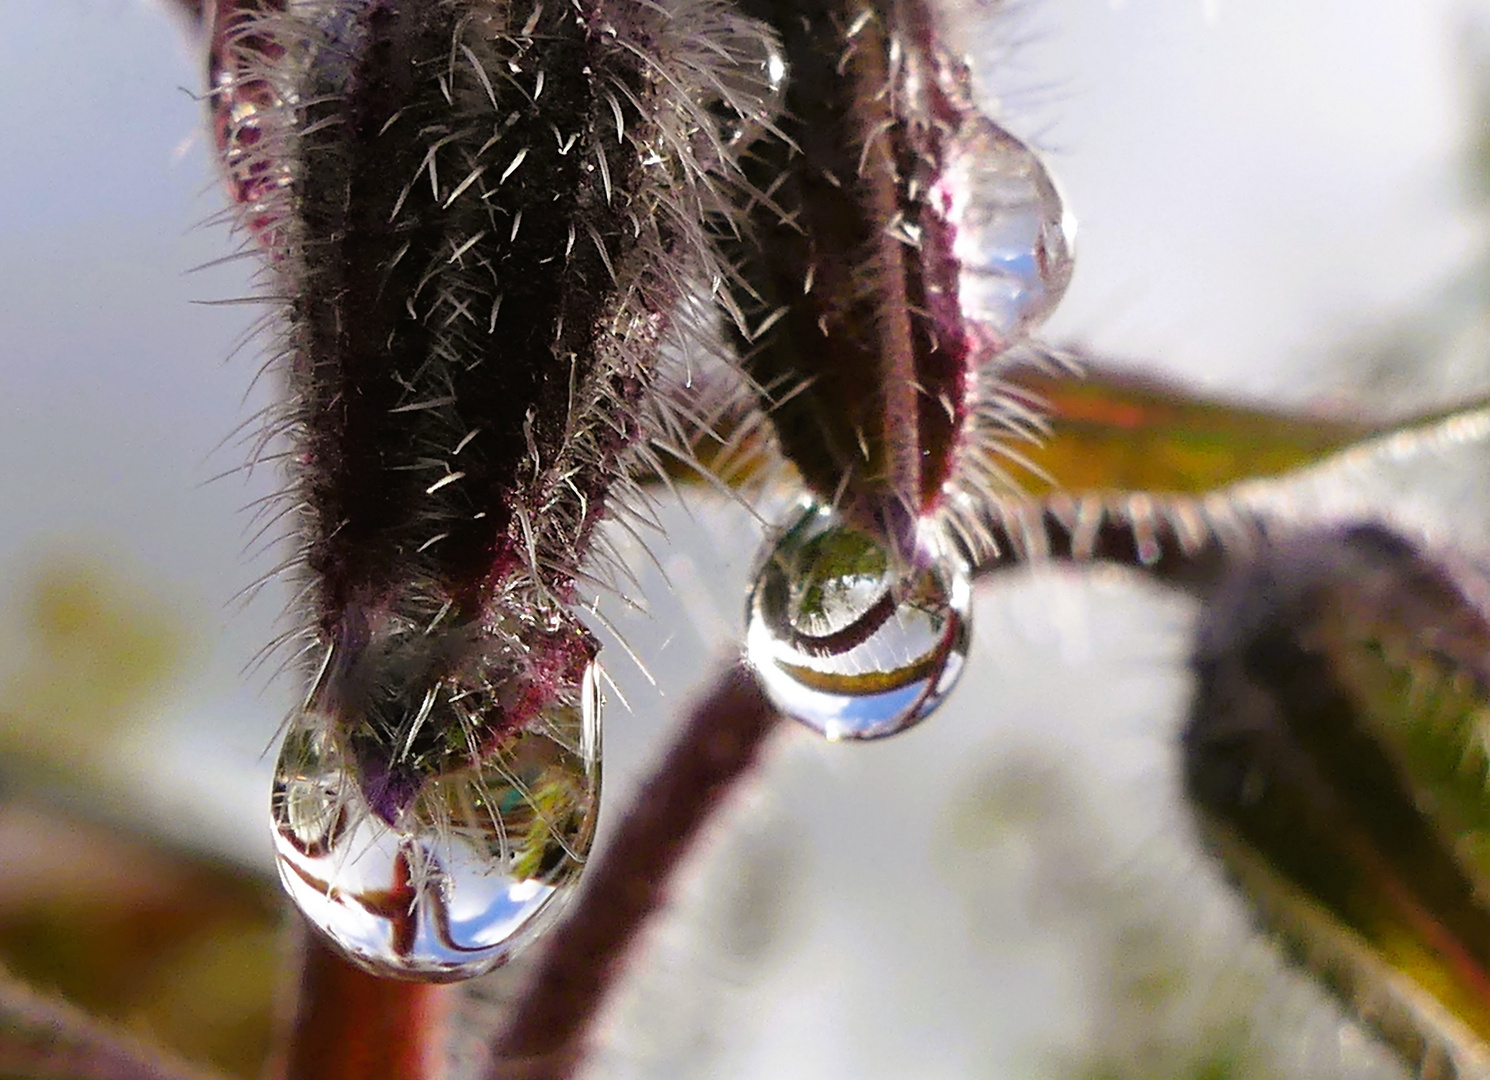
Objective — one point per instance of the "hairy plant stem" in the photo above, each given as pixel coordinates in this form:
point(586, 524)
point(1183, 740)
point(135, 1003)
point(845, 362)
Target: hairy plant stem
point(1178, 541)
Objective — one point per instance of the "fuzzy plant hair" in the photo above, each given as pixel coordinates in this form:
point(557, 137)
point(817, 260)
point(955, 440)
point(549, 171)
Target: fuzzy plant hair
point(502, 235)
point(481, 220)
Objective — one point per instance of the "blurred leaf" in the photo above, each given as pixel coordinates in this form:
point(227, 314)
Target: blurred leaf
point(1336, 751)
point(1115, 431)
point(170, 948)
point(167, 946)
point(95, 650)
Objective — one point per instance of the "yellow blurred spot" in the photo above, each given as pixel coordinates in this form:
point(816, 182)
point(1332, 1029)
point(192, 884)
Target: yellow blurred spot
point(90, 650)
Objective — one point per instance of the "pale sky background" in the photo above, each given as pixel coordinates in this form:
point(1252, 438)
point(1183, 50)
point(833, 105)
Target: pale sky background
point(1257, 182)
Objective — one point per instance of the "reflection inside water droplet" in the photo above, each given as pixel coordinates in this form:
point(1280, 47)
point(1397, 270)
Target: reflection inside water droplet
point(846, 642)
point(476, 864)
point(1011, 236)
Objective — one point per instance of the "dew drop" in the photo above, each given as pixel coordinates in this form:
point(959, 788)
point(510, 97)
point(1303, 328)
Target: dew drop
point(846, 642)
point(748, 74)
point(474, 866)
point(1010, 233)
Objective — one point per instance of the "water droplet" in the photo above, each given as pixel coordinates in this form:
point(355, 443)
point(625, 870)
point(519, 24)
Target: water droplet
point(474, 865)
point(747, 73)
point(847, 642)
point(1010, 234)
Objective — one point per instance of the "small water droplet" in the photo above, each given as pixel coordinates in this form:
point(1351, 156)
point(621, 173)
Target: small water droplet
point(747, 72)
point(1011, 235)
point(473, 867)
point(847, 642)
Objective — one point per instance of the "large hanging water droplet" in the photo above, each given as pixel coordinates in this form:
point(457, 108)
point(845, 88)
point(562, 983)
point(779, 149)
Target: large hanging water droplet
point(1010, 233)
point(472, 867)
point(846, 641)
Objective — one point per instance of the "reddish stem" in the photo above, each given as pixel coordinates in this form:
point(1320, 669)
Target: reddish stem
point(546, 1036)
point(349, 1025)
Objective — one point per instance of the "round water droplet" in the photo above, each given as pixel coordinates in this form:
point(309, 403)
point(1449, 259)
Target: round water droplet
point(473, 866)
point(847, 642)
point(1011, 236)
point(747, 80)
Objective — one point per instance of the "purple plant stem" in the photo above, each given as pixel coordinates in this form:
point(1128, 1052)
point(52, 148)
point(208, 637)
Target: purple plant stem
point(51, 1040)
point(1138, 531)
point(547, 1034)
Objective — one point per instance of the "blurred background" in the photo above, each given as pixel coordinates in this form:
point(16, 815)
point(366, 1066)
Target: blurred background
point(1282, 202)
